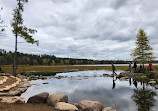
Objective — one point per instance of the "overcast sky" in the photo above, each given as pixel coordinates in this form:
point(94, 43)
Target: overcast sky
point(92, 29)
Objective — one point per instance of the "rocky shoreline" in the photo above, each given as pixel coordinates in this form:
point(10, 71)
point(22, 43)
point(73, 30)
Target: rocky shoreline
point(59, 102)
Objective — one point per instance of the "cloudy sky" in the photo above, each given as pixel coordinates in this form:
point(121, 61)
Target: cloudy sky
point(92, 29)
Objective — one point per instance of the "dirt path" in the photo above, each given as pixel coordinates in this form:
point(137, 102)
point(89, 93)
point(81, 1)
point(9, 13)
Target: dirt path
point(25, 107)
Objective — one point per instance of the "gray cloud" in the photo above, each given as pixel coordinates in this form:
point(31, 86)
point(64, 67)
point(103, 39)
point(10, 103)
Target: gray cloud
point(93, 29)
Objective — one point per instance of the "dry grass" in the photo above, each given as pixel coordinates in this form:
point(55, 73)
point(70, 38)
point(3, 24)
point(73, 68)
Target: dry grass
point(62, 68)
point(59, 68)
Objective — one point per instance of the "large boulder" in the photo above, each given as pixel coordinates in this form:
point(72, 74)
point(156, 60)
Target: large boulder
point(39, 98)
point(90, 106)
point(61, 106)
point(109, 109)
point(54, 98)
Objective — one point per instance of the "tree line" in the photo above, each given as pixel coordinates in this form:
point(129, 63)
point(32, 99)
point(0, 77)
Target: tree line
point(6, 58)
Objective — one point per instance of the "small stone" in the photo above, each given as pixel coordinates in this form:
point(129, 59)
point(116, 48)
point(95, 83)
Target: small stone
point(123, 78)
point(45, 83)
point(14, 93)
point(105, 74)
point(79, 78)
point(34, 84)
point(22, 90)
point(152, 82)
point(156, 86)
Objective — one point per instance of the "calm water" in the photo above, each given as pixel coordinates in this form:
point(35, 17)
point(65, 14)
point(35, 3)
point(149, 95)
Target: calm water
point(121, 95)
point(114, 64)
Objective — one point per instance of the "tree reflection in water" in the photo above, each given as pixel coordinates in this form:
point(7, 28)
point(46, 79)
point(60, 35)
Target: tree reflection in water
point(144, 98)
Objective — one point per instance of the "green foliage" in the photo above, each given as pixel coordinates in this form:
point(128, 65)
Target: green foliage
point(143, 70)
point(143, 51)
point(17, 24)
point(142, 79)
point(152, 75)
point(6, 58)
point(144, 99)
point(2, 71)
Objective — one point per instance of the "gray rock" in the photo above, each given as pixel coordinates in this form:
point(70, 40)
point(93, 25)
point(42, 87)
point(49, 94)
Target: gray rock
point(105, 75)
point(39, 98)
point(95, 76)
point(45, 83)
point(54, 98)
point(86, 105)
point(152, 82)
point(123, 78)
point(109, 109)
point(61, 106)
point(14, 93)
point(22, 90)
point(24, 85)
point(156, 86)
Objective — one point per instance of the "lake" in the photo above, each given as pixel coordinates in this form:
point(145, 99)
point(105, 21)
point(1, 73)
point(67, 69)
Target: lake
point(154, 64)
point(121, 95)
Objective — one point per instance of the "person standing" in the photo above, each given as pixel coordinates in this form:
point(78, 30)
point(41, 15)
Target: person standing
point(130, 67)
point(150, 66)
point(135, 66)
point(113, 68)
point(0, 68)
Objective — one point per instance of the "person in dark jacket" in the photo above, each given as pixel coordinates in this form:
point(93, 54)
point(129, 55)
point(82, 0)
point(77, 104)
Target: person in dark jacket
point(113, 69)
point(135, 66)
point(129, 66)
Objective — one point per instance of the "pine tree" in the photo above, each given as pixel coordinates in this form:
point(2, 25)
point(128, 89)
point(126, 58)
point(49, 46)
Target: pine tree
point(21, 31)
point(143, 51)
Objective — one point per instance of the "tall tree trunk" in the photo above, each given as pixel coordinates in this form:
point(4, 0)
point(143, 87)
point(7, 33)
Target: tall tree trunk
point(15, 56)
point(16, 37)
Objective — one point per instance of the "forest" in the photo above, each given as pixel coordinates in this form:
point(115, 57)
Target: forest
point(6, 58)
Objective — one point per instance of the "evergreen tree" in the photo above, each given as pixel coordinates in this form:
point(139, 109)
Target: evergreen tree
point(143, 51)
point(19, 30)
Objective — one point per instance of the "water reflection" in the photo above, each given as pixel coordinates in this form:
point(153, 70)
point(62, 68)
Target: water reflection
point(144, 98)
point(107, 90)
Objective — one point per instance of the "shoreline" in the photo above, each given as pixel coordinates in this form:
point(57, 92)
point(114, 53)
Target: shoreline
point(24, 79)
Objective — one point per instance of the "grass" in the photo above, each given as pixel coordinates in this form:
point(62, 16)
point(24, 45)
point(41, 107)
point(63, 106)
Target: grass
point(58, 68)
point(51, 70)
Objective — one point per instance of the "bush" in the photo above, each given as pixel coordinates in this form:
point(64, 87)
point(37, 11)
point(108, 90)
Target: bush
point(142, 79)
point(145, 71)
